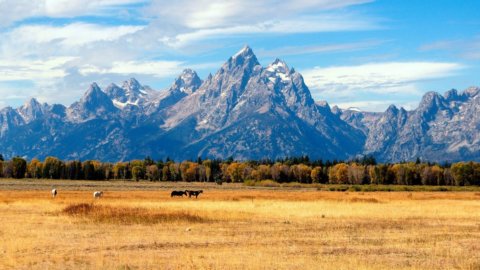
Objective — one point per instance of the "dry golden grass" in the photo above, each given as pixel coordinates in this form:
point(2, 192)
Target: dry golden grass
point(128, 215)
point(239, 229)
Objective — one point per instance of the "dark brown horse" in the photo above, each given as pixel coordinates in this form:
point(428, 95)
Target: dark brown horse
point(194, 193)
point(178, 193)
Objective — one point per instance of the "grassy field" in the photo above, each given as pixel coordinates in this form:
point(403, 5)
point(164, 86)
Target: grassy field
point(138, 226)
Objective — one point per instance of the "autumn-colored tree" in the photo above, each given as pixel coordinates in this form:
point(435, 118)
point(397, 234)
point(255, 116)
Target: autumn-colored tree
point(34, 169)
point(432, 175)
point(301, 173)
point(264, 172)
point(448, 177)
point(53, 168)
point(356, 174)
point(107, 169)
point(236, 171)
point(381, 174)
point(201, 173)
point(225, 176)
point(174, 171)
point(19, 167)
point(317, 175)
point(208, 170)
point(166, 173)
point(152, 173)
point(280, 172)
point(120, 170)
point(137, 173)
point(338, 174)
point(191, 172)
point(462, 173)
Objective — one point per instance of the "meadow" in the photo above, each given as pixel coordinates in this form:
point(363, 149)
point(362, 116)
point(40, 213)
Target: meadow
point(137, 225)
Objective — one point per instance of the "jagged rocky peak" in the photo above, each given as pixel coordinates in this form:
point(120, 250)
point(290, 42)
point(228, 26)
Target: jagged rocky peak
point(472, 91)
point(451, 95)
point(131, 93)
point(114, 90)
point(95, 98)
point(278, 66)
point(245, 57)
point(32, 102)
point(188, 82)
point(94, 104)
point(431, 102)
point(324, 103)
point(31, 110)
point(32, 105)
point(392, 110)
point(132, 85)
point(336, 110)
point(58, 109)
point(92, 92)
point(278, 69)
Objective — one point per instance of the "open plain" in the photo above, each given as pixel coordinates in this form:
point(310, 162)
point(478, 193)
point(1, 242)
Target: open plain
point(139, 226)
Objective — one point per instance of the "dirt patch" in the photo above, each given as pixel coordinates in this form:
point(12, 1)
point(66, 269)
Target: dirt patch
point(364, 200)
point(127, 215)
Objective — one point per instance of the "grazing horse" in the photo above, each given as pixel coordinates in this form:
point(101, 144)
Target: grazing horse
point(194, 193)
point(178, 193)
point(54, 193)
point(97, 194)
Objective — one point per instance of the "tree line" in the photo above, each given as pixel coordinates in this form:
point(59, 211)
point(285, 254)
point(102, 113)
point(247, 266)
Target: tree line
point(297, 169)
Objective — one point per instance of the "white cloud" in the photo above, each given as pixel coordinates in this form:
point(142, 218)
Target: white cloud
point(33, 70)
point(17, 10)
point(219, 13)
point(58, 59)
point(71, 8)
point(310, 24)
point(374, 86)
point(209, 19)
point(159, 69)
point(377, 77)
point(70, 35)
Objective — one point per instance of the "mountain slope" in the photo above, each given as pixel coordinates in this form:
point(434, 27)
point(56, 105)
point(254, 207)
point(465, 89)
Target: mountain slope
point(442, 128)
point(245, 111)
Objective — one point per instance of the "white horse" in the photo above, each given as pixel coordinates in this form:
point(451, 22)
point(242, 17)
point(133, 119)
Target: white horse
point(97, 194)
point(54, 193)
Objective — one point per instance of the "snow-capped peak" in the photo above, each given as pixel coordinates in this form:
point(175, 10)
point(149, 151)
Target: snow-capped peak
point(278, 66)
point(245, 51)
point(278, 69)
point(132, 85)
point(188, 82)
point(131, 93)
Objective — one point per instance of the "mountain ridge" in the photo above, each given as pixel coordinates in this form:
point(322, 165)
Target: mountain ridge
point(244, 110)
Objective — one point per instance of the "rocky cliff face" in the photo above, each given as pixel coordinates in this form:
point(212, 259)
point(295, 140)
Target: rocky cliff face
point(442, 128)
point(245, 111)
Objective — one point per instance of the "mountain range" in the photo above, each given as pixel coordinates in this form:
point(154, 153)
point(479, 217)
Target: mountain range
point(244, 111)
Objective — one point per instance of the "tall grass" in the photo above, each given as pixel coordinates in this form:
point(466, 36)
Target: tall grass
point(128, 215)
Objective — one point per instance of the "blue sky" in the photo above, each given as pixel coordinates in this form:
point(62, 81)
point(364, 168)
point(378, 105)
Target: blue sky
point(352, 53)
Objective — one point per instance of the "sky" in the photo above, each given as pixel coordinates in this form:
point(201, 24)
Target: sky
point(366, 54)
